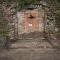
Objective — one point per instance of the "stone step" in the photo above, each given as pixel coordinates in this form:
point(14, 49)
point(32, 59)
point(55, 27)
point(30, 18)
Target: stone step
point(31, 40)
point(31, 45)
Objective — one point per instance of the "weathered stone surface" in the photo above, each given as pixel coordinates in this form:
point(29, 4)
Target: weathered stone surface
point(26, 24)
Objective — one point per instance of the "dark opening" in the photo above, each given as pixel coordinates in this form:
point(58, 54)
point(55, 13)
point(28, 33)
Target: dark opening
point(31, 17)
point(30, 8)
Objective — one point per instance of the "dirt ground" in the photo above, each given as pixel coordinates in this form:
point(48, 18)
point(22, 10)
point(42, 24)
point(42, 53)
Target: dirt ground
point(30, 54)
point(32, 49)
